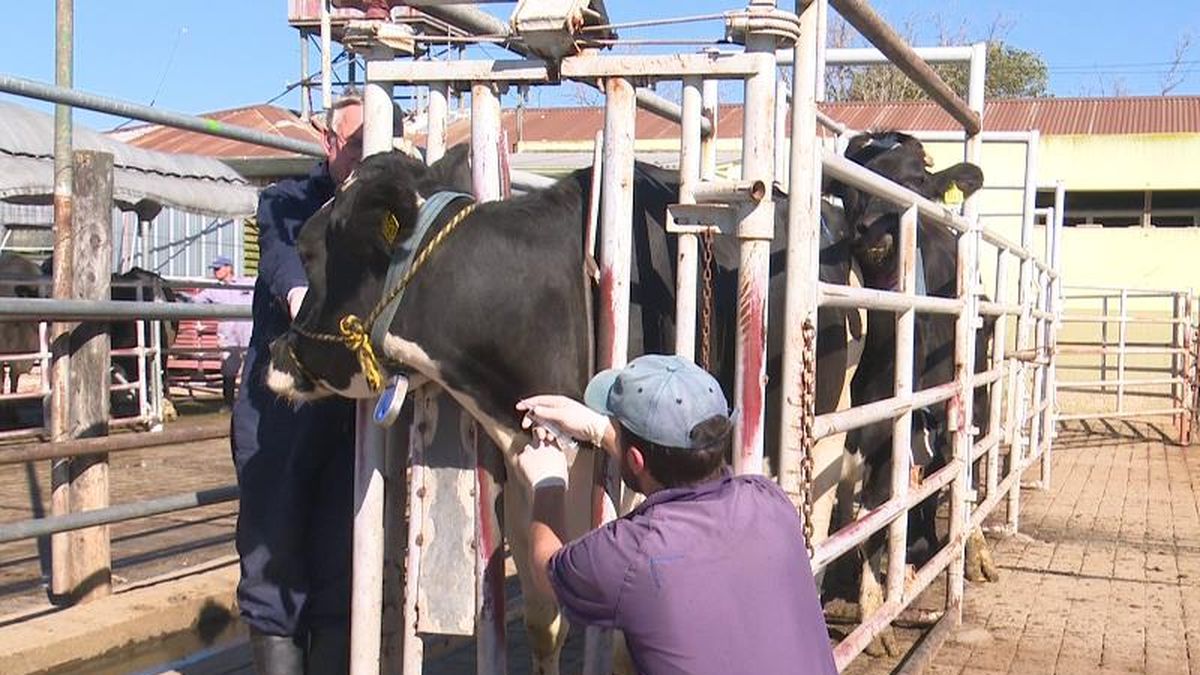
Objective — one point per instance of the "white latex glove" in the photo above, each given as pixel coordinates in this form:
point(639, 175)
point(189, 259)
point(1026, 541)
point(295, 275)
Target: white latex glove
point(566, 415)
point(543, 465)
point(295, 298)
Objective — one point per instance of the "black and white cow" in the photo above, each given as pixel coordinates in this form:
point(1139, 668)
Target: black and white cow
point(141, 285)
point(902, 158)
point(18, 337)
point(499, 311)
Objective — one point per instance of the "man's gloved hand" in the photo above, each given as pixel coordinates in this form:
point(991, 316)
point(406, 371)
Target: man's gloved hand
point(295, 298)
point(543, 465)
point(567, 415)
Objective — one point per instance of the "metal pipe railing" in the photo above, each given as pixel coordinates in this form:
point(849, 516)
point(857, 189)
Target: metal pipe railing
point(40, 527)
point(202, 125)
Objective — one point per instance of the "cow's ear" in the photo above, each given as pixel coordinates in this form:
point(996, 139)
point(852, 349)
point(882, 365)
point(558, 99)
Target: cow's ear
point(963, 177)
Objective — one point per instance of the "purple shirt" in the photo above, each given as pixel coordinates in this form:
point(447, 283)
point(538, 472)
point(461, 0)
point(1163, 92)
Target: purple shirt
point(230, 332)
point(707, 579)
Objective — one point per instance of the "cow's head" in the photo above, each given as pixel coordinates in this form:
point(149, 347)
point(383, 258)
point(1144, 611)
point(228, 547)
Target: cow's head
point(875, 221)
point(346, 248)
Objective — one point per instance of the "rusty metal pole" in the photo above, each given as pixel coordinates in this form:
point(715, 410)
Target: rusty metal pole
point(490, 649)
point(902, 425)
point(754, 234)
point(366, 616)
point(435, 144)
point(61, 582)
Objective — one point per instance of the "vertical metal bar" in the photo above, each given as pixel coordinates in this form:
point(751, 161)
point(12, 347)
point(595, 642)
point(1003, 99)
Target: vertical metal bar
point(616, 227)
point(616, 251)
point(1177, 363)
point(366, 616)
point(689, 173)
point(414, 648)
point(902, 425)
point(803, 244)
point(1034, 428)
point(305, 104)
point(781, 145)
point(1122, 335)
point(754, 233)
point(821, 30)
point(435, 145)
point(710, 110)
point(490, 651)
point(326, 57)
point(999, 347)
point(1020, 445)
point(964, 351)
point(1104, 341)
point(1054, 230)
point(60, 501)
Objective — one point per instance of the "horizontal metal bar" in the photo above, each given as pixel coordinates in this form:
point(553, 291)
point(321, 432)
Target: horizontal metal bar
point(856, 533)
point(1112, 291)
point(888, 408)
point(834, 295)
point(985, 444)
point(1034, 413)
point(865, 56)
point(1117, 349)
point(145, 113)
point(1115, 318)
point(714, 65)
point(40, 527)
point(42, 309)
point(1068, 417)
point(29, 452)
point(988, 308)
point(1100, 384)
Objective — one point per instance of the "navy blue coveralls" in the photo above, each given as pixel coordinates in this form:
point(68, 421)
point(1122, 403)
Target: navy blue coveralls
point(295, 464)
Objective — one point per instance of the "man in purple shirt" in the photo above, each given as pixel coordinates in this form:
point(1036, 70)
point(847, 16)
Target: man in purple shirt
point(710, 574)
point(233, 335)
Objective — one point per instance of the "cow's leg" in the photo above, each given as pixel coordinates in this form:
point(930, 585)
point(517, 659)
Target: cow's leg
point(544, 624)
point(876, 489)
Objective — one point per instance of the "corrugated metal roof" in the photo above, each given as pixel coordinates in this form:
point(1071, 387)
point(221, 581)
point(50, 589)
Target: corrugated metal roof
point(1053, 116)
point(266, 118)
point(141, 178)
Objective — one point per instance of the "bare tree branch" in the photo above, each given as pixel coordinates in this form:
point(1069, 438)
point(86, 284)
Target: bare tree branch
point(1175, 75)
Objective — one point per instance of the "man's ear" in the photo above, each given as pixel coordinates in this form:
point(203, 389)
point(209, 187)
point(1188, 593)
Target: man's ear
point(635, 459)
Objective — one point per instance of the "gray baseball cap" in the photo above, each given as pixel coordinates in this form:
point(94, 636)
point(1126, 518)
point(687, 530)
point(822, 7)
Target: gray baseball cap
point(658, 397)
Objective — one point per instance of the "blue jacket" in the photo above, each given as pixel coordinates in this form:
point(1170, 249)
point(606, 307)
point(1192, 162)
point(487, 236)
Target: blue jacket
point(283, 208)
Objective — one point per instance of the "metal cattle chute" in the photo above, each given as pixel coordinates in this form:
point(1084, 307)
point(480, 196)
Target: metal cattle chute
point(448, 479)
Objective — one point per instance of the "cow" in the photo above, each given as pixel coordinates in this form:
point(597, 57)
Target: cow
point(17, 337)
point(902, 158)
point(499, 310)
point(135, 284)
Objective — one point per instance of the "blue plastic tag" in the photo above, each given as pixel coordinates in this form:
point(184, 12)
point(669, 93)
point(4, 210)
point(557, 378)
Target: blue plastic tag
point(387, 408)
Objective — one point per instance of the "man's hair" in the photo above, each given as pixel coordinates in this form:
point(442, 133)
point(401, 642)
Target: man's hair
point(351, 97)
point(675, 467)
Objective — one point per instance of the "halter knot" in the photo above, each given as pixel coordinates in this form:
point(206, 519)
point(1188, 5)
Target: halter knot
point(357, 340)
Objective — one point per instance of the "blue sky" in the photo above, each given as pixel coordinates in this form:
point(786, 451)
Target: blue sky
point(195, 56)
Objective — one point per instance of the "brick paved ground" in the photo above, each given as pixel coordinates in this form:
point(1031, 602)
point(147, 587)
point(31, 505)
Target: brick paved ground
point(1104, 578)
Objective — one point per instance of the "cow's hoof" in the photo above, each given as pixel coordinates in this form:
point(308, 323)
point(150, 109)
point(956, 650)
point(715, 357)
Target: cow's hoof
point(987, 565)
point(980, 568)
point(169, 413)
point(884, 644)
point(840, 611)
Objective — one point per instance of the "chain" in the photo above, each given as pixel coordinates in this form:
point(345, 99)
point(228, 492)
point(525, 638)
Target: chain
point(808, 404)
point(706, 304)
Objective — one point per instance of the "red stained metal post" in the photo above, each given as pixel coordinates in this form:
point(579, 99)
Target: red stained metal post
point(491, 657)
point(902, 425)
point(616, 246)
point(755, 232)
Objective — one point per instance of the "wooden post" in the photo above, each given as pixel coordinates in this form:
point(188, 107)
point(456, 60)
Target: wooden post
point(91, 555)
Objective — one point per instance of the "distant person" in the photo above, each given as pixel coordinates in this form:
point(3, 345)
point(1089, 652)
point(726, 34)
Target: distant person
point(710, 575)
point(233, 335)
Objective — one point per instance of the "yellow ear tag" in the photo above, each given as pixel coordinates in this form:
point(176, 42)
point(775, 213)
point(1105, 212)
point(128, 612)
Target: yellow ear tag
point(389, 228)
point(953, 196)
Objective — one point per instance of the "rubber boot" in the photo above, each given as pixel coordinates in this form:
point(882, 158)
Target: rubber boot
point(276, 654)
point(329, 650)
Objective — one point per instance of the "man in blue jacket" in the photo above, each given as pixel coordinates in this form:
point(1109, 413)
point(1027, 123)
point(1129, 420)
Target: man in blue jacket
point(295, 462)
